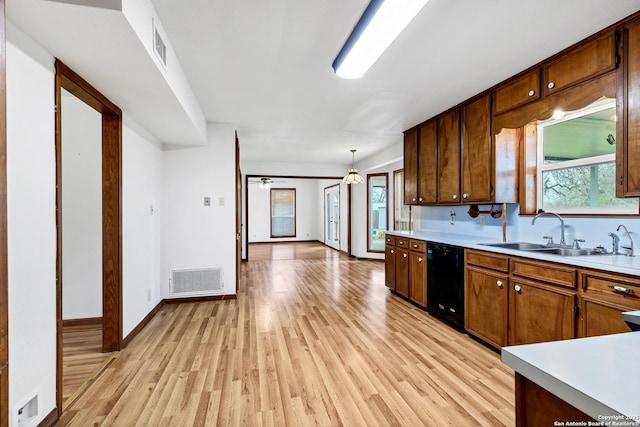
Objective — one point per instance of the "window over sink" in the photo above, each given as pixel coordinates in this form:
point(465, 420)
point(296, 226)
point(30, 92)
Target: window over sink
point(576, 162)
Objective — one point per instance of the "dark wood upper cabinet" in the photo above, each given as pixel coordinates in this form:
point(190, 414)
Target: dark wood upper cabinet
point(519, 91)
point(583, 62)
point(449, 158)
point(477, 152)
point(411, 167)
point(428, 163)
point(628, 113)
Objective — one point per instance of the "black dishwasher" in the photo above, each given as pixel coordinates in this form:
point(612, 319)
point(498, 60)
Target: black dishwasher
point(445, 282)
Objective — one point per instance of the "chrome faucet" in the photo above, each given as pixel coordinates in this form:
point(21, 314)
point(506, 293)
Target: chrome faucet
point(550, 242)
point(628, 249)
point(614, 243)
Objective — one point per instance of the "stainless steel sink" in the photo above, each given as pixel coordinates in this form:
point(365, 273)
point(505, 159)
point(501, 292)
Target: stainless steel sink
point(520, 246)
point(536, 247)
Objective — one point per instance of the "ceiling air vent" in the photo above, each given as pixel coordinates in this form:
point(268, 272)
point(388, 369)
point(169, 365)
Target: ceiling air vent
point(159, 46)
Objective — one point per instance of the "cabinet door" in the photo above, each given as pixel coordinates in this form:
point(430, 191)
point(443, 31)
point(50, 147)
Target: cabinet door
point(628, 150)
point(522, 90)
point(402, 271)
point(428, 164)
point(586, 61)
point(418, 278)
point(600, 317)
point(486, 310)
point(449, 158)
point(411, 167)
point(477, 152)
point(539, 313)
point(390, 267)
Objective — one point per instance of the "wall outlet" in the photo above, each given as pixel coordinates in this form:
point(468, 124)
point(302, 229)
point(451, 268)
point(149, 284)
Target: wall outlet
point(207, 201)
point(482, 219)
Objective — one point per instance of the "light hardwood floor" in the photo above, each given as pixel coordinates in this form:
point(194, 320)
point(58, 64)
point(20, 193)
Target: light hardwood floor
point(313, 341)
point(82, 358)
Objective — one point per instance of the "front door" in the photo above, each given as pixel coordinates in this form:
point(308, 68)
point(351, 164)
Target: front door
point(332, 216)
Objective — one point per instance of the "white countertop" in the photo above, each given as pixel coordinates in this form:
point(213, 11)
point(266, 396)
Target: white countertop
point(598, 375)
point(614, 263)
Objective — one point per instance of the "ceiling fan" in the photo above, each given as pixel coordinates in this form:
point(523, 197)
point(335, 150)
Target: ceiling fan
point(265, 182)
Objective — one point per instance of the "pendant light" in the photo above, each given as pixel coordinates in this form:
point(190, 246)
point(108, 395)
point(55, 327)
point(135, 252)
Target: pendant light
point(352, 176)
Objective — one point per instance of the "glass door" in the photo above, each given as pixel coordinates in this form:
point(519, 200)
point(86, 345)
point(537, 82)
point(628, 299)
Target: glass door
point(332, 216)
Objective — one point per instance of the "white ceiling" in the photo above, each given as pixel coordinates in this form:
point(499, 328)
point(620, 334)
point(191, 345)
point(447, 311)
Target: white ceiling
point(265, 66)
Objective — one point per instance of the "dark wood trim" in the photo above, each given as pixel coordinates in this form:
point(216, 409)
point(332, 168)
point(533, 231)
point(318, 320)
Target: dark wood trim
point(238, 214)
point(50, 420)
point(198, 299)
point(88, 321)
point(386, 177)
point(111, 211)
point(349, 220)
point(4, 279)
point(131, 335)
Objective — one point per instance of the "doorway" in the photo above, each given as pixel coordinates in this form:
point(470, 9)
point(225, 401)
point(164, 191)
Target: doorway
point(332, 216)
point(109, 181)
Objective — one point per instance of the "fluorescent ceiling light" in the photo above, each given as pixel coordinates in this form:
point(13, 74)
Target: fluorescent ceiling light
point(377, 28)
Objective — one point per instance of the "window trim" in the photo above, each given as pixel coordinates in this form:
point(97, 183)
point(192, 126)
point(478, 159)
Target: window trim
point(369, 177)
point(271, 193)
point(575, 163)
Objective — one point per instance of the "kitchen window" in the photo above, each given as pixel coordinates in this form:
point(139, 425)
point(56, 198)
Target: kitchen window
point(576, 162)
point(283, 212)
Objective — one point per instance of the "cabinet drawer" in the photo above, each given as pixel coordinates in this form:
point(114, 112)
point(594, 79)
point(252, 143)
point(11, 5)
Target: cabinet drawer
point(487, 260)
point(525, 88)
point(418, 245)
point(582, 63)
point(624, 289)
point(545, 272)
point(402, 242)
point(391, 240)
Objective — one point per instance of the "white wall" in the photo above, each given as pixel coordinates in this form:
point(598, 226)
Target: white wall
point(141, 217)
point(31, 223)
point(194, 235)
point(307, 211)
point(81, 209)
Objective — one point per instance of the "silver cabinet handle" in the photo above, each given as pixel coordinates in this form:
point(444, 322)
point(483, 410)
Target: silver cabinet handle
point(404, 255)
point(419, 259)
point(622, 289)
point(465, 195)
point(455, 196)
point(532, 92)
point(392, 251)
point(499, 283)
point(413, 199)
point(419, 199)
point(517, 288)
point(551, 85)
point(415, 246)
point(401, 243)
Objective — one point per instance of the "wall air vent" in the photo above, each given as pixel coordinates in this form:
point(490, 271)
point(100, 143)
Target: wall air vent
point(203, 281)
point(159, 46)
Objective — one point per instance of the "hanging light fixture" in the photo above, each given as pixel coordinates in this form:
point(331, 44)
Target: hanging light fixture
point(352, 176)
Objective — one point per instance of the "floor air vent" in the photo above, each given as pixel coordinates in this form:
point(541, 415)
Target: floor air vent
point(196, 282)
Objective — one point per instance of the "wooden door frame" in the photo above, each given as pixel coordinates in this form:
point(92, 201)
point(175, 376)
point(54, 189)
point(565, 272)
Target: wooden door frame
point(4, 275)
point(111, 212)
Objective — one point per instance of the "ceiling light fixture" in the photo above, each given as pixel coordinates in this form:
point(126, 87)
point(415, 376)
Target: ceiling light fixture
point(379, 25)
point(352, 176)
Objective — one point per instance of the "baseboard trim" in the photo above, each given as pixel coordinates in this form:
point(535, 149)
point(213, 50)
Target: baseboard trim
point(142, 324)
point(199, 299)
point(50, 420)
point(82, 322)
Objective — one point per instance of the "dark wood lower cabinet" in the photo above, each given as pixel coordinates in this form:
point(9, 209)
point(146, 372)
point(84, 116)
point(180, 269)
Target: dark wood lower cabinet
point(402, 271)
point(536, 407)
point(418, 278)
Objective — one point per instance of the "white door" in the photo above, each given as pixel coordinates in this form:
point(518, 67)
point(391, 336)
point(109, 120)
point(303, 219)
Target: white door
point(332, 216)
